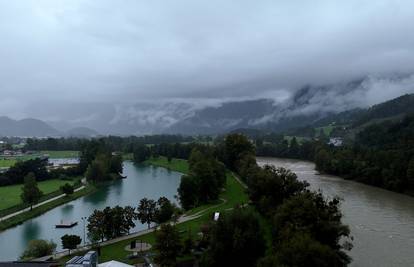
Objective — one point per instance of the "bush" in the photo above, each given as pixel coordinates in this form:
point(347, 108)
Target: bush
point(38, 248)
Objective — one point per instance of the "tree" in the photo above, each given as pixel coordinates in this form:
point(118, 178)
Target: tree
point(410, 172)
point(188, 191)
point(302, 251)
point(67, 189)
point(70, 241)
point(96, 225)
point(128, 218)
point(164, 211)
point(38, 248)
point(294, 148)
point(141, 153)
point(116, 164)
point(270, 186)
point(235, 240)
point(146, 211)
point(95, 171)
point(310, 214)
point(31, 193)
point(168, 245)
point(236, 146)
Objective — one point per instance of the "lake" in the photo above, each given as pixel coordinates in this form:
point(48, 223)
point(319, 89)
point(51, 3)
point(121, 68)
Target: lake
point(142, 181)
point(381, 222)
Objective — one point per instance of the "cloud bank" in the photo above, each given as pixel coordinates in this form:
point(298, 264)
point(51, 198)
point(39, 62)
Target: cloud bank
point(102, 51)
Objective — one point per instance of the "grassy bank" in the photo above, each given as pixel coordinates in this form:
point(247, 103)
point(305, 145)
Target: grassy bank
point(61, 154)
point(178, 165)
point(10, 195)
point(6, 163)
point(233, 195)
point(18, 219)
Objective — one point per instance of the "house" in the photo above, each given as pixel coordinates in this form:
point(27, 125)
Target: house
point(336, 141)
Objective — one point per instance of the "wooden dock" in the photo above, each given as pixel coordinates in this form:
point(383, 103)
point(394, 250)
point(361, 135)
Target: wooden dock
point(63, 224)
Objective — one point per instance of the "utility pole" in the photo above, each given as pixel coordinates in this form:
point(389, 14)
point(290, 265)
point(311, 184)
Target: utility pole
point(84, 230)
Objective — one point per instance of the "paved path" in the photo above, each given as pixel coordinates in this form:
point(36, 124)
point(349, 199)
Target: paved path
point(37, 205)
point(182, 219)
point(61, 254)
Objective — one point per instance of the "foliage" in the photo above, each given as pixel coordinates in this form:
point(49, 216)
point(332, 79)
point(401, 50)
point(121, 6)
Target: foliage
point(270, 186)
point(235, 147)
point(235, 240)
point(101, 222)
point(302, 251)
point(381, 156)
point(141, 153)
point(70, 241)
point(16, 173)
point(168, 245)
point(38, 248)
point(30, 191)
point(67, 189)
point(164, 211)
point(309, 214)
point(147, 211)
point(203, 183)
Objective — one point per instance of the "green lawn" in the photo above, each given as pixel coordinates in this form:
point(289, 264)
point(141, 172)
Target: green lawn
point(61, 154)
point(20, 218)
point(233, 194)
point(10, 195)
point(178, 165)
point(5, 163)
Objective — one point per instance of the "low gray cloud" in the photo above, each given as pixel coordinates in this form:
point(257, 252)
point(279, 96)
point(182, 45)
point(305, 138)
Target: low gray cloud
point(176, 51)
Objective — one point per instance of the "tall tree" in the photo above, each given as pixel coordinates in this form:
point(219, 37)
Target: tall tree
point(164, 211)
point(96, 225)
point(235, 240)
point(168, 245)
point(309, 213)
point(236, 146)
point(31, 193)
point(70, 241)
point(146, 211)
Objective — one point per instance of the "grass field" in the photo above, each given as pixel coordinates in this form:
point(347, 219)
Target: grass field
point(18, 219)
point(233, 194)
point(178, 165)
point(5, 163)
point(61, 154)
point(10, 195)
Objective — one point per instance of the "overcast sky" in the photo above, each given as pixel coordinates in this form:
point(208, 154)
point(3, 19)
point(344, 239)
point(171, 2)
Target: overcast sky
point(130, 51)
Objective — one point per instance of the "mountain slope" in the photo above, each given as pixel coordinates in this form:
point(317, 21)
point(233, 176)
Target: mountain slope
point(26, 127)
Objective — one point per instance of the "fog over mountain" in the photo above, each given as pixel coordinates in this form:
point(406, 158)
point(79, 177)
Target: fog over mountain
point(199, 66)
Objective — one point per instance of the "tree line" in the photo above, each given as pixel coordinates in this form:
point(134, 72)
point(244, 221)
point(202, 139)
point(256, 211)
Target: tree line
point(114, 143)
point(101, 223)
point(305, 228)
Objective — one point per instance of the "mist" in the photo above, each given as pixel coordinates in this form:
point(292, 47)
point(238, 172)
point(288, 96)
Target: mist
point(80, 61)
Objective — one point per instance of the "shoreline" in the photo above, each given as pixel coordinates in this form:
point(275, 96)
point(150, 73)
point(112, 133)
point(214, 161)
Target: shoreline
point(23, 215)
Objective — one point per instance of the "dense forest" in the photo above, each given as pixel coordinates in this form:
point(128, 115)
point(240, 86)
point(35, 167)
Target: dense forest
point(382, 154)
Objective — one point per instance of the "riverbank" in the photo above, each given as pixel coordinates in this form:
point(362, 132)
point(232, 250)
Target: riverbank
point(191, 222)
point(10, 200)
point(43, 207)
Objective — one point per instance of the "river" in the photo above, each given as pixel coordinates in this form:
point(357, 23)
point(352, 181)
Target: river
point(381, 222)
point(142, 181)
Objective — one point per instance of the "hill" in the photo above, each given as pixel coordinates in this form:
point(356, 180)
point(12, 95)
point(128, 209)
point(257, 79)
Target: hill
point(26, 128)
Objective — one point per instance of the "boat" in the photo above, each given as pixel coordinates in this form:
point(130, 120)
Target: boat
point(64, 224)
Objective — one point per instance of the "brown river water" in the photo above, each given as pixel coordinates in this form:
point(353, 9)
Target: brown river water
point(381, 222)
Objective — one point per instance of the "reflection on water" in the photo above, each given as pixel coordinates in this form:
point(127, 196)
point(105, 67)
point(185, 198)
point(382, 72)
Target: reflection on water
point(381, 222)
point(142, 181)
